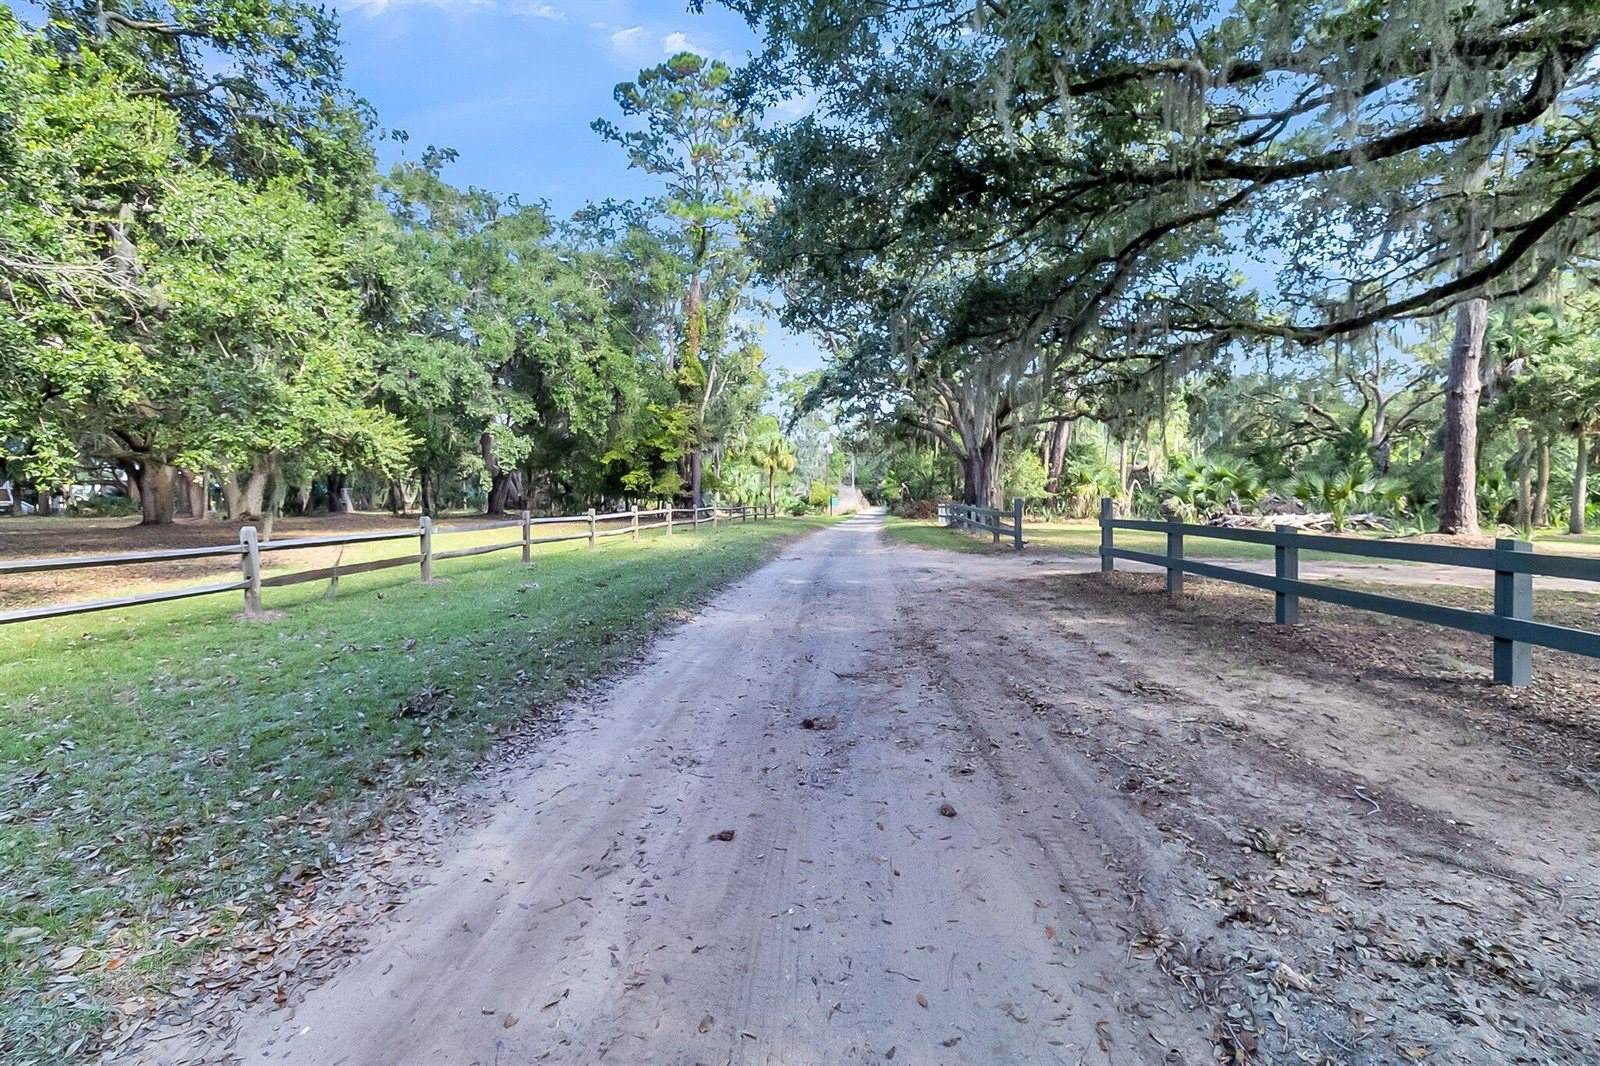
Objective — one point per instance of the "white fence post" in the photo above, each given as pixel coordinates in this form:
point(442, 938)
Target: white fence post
point(425, 531)
point(634, 514)
point(590, 516)
point(250, 563)
point(527, 537)
point(669, 517)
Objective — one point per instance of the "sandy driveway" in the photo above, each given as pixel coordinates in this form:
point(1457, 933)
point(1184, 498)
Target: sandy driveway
point(1174, 834)
point(599, 916)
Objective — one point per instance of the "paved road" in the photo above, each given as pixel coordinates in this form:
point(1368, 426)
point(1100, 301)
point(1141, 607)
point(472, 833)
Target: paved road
point(599, 917)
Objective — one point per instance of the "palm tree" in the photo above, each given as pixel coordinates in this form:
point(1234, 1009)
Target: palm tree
point(772, 457)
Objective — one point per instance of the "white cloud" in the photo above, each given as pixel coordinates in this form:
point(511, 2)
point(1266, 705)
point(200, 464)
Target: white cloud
point(545, 11)
point(626, 40)
point(676, 42)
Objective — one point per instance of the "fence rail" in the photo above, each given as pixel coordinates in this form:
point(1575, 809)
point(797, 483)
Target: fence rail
point(250, 549)
point(1514, 563)
point(985, 520)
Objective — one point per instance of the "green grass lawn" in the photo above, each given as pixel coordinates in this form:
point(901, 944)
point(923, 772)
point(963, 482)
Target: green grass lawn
point(161, 764)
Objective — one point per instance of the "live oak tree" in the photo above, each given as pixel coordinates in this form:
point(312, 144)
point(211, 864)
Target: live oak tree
point(155, 179)
point(74, 148)
point(207, 282)
point(1373, 163)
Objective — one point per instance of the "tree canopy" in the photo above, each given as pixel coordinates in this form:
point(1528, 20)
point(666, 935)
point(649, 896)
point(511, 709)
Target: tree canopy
point(214, 290)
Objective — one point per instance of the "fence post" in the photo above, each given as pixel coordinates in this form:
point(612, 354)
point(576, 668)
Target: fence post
point(1174, 554)
point(425, 531)
point(250, 563)
point(1107, 562)
point(527, 537)
point(713, 518)
point(1513, 598)
point(635, 516)
point(590, 516)
point(669, 518)
point(1285, 567)
point(1016, 521)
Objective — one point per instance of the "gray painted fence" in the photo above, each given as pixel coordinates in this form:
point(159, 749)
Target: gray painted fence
point(985, 520)
point(1511, 625)
point(250, 549)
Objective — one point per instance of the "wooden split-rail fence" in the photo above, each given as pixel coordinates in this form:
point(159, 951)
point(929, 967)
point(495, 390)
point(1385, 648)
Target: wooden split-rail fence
point(985, 520)
point(1511, 624)
point(251, 549)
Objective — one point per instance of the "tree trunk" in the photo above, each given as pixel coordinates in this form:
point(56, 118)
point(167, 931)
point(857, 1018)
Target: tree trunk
point(338, 494)
point(232, 498)
point(274, 502)
point(695, 497)
point(130, 471)
point(1458, 498)
point(1541, 491)
point(980, 474)
point(1580, 485)
point(255, 490)
point(426, 492)
point(500, 491)
point(158, 498)
point(1524, 478)
point(1057, 457)
point(199, 499)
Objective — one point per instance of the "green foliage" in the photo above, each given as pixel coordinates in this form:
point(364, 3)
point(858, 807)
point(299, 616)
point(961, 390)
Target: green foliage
point(1023, 475)
point(202, 278)
point(695, 134)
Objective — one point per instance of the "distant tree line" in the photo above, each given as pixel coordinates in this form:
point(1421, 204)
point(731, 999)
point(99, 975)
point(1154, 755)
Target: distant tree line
point(213, 295)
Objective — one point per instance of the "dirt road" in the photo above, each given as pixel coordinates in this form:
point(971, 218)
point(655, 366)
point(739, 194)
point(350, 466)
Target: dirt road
point(599, 916)
point(1151, 850)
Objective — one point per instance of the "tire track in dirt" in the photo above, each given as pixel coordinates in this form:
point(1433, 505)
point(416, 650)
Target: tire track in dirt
point(848, 920)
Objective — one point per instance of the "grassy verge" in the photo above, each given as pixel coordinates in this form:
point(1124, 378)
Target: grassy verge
point(162, 767)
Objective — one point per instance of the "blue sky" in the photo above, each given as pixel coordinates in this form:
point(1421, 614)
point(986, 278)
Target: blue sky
point(513, 85)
